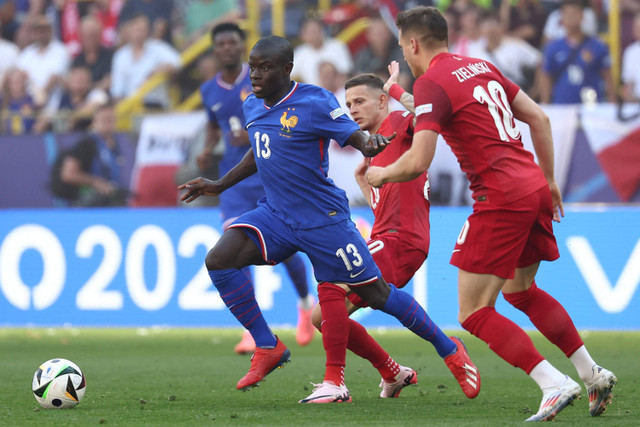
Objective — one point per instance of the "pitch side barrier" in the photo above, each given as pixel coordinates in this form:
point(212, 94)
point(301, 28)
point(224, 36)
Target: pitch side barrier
point(144, 267)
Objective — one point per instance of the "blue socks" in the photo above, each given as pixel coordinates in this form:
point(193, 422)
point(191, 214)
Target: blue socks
point(236, 290)
point(298, 273)
point(406, 309)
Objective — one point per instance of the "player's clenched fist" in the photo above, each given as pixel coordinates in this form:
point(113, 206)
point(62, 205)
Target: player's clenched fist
point(375, 176)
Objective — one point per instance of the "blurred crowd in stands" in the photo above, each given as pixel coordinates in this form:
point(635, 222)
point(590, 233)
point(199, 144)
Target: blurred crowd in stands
point(63, 61)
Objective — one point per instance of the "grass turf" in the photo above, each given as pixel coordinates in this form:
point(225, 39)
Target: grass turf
point(184, 377)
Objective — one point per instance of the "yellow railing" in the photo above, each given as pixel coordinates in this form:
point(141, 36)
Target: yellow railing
point(613, 40)
point(133, 105)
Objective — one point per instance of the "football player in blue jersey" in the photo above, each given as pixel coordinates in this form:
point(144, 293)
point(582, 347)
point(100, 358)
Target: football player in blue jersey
point(289, 126)
point(222, 97)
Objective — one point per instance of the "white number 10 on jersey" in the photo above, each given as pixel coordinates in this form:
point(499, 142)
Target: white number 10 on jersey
point(496, 99)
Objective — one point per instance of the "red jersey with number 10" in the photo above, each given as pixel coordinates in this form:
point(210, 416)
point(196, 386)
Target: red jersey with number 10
point(468, 101)
point(401, 207)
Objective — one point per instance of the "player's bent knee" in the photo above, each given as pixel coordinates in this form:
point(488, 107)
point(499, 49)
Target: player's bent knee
point(217, 260)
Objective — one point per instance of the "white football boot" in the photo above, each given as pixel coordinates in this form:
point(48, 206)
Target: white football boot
point(599, 390)
point(405, 377)
point(556, 399)
point(328, 392)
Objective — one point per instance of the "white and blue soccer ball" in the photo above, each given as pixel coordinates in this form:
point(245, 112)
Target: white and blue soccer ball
point(58, 383)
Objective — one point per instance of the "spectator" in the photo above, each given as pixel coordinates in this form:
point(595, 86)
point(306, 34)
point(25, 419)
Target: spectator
point(7, 19)
point(469, 34)
point(631, 65)
point(89, 173)
point(294, 12)
point(138, 60)
point(18, 108)
point(157, 11)
point(207, 67)
point(93, 54)
point(524, 19)
point(76, 104)
point(45, 61)
point(628, 11)
point(107, 13)
point(576, 68)
point(8, 57)
point(381, 49)
point(315, 49)
point(514, 57)
point(202, 15)
point(453, 25)
point(554, 28)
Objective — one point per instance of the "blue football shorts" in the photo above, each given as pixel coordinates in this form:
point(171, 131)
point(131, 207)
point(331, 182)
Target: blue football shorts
point(337, 251)
point(239, 199)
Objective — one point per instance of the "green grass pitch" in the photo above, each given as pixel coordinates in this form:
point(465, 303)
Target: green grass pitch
point(185, 377)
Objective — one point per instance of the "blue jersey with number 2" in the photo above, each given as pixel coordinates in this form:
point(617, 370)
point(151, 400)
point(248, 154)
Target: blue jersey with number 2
point(290, 143)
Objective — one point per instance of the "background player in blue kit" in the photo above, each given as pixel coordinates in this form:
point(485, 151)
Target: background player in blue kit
point(290, 125)
point(222, 97)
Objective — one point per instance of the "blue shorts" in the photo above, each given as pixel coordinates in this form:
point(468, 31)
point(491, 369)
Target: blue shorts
point(239, 199)
point(337, 252)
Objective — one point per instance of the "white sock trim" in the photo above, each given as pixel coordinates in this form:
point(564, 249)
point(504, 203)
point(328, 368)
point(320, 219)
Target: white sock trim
point(583, 362)
point(547, 376)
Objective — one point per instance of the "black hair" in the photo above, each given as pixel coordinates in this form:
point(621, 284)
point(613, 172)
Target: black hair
point(277, 47)
point(228, 27)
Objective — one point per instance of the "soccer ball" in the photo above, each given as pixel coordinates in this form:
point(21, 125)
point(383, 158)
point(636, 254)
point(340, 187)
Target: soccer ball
point(58, 383)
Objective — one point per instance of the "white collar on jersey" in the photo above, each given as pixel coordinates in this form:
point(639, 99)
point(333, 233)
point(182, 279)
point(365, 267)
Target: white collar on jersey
point(241, 76)
point(287, 96)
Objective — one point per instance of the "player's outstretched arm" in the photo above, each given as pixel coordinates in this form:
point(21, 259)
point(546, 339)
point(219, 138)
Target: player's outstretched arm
point(369, 145)
point(202, 186)
point(410, 165)
point(393, 88)
point(526, 110)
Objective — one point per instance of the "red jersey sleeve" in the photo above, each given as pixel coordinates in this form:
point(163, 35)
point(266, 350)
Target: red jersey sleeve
point(433, 106)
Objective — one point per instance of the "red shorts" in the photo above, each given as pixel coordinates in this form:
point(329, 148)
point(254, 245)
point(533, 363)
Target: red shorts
point(498, 239)
point(397, 261)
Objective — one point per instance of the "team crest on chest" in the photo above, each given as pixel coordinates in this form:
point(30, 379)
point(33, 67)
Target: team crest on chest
point(288, 122)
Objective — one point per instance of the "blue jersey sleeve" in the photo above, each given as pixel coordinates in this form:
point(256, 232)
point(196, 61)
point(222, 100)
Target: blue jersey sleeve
point(329, 120)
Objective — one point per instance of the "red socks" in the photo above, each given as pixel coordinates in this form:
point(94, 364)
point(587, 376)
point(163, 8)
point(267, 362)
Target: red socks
point(504, 337)
point(339, 333)
point(363, 345)
point(548, 316)
point(335, 330)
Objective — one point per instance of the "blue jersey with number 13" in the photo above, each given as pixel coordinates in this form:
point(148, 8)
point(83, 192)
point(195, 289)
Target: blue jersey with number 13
point(290, 143)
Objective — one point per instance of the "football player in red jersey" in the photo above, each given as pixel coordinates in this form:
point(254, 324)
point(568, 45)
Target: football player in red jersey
point(399, 244)
point(501, 245)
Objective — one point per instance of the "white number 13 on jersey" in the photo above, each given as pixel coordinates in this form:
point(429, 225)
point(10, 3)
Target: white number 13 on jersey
point(265, 151)
point(496, 99)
